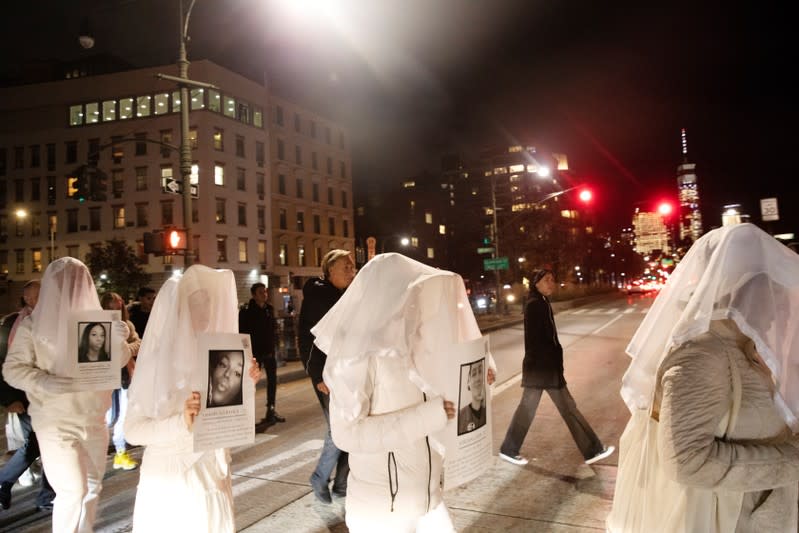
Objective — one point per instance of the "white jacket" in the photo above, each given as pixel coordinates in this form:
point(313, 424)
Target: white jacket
point(395, 474)
point(47, 407)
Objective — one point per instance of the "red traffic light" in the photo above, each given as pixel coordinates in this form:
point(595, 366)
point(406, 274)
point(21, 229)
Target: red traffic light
point(665, 208)
point(585, 195)
point(174, 240)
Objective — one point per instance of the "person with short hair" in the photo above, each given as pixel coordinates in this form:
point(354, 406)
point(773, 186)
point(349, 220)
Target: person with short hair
point(473, 415)
point(257, 318)
point(542, 370)
point(15, 401)
point(319, 295)
point(139, 311)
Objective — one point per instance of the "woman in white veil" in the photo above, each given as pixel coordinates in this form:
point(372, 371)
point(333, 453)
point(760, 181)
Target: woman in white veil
point(179, 489)
point(715, 363)
point(69, 423)
point(384, 341)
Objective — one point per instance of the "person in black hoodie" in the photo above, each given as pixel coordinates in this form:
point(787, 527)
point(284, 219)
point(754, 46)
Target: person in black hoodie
point(258, 319)
point(542, 370)
point(318, 296)
point(15, 401)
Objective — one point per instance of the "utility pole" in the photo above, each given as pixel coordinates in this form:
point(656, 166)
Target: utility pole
point(495, 238)
point(184, 83)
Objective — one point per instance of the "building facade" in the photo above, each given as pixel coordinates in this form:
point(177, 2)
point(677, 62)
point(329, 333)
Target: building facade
point(651, 233)
point(272, 196)
point(688, 194)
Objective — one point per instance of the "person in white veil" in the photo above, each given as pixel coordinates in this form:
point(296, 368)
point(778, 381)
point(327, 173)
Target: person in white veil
point(715, 362)
point(179, 489)
point(384, 340)
point(69, 423)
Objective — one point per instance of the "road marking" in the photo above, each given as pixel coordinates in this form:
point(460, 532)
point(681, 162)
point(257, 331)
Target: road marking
point(629, 310)
point(608, 323)
point(580, 311)
point(612, 311)
point(252, 483)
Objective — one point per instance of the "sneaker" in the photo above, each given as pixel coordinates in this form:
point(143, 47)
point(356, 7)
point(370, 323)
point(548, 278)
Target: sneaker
point(5, 495)
point(27, 478)
point(272, 417)
point(321, 491)
point(607, 452)
point(124, 461)
point(515, 459)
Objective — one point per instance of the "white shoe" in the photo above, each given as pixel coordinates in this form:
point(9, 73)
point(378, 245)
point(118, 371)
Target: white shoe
point(26, 479)
point(515, 459)
point(607, 452)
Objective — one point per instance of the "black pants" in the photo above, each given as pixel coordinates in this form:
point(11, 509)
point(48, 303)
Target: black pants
point(270, 366)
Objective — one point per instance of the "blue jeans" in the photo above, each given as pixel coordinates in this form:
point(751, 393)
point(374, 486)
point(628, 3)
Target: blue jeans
point(115, 418)
point(331, 457)
point(22, 459)
point(585, 438)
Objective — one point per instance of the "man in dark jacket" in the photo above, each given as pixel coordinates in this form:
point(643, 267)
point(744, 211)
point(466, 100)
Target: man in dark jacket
point(139, 311)
point(318, 296)
point(258, 319)
point(15, 401)
point(542, 370)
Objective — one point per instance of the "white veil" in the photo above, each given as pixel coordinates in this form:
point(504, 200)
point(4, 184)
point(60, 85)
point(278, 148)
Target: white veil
point(67, 286)
point(737, 272)
point(167, 369)
point(395, 307)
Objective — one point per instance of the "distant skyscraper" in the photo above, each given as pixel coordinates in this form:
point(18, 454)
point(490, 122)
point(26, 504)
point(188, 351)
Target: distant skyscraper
point(690, 217)
point(651, 233)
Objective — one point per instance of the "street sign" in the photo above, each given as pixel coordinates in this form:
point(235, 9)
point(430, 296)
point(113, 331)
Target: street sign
point(496, 263)
point(174, 186)
point(486, 250)
point(768, 209)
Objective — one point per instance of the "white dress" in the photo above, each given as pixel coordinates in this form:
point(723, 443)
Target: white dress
point(173, 478)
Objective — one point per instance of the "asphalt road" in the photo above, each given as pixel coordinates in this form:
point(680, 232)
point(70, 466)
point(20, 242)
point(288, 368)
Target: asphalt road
point(555, 492)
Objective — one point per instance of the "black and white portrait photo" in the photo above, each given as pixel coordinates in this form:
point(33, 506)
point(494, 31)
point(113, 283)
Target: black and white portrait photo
point(472, 404)
point(225, 370)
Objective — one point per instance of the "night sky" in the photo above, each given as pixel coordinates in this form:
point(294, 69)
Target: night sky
point(609, 84)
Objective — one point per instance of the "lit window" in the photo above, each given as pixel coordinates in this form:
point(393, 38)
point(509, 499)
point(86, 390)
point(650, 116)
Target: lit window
point(301, 254)
point(143, 106)
point(92, 113)
point(219, 175)
point(428, 217)
point(442, 230)
point(161, 104)
point(175, 101)
point(119, 217)
point(284, 254)
point(221, 249)
point(230, 107)
point(430, 253)
point(214, 101)
point(197, 99)
point(258, 118)
point(219, 139)
point(194, 178)
point(414, 241)
point(109, 110)
point(242, 250)
point(75, 115)
point(262, 252)
point(220, 210)
point(125, 108)
point(36, 258)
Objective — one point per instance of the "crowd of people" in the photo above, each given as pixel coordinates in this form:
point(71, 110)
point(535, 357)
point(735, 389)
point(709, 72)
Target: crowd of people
point(710, 445)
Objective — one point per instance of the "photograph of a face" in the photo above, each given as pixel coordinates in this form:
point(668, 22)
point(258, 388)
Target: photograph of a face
point(472, 404)
point(94, 345)
point(225, 371)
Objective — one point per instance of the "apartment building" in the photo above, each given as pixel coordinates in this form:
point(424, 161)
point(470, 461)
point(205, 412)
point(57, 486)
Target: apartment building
point(273, 179)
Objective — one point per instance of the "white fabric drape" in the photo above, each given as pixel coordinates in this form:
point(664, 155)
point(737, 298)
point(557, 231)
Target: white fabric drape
point(67, 286)
point(737, 272)
point(395, 307)
point(167, 369)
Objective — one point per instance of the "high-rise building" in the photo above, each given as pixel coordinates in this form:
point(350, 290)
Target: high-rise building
point(688, 193)
point(274, 178)
point(651, 233)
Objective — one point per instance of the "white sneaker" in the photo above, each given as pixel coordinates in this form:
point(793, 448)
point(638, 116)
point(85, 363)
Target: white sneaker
point(515, 459)
point(26, 479)
point(607, 452)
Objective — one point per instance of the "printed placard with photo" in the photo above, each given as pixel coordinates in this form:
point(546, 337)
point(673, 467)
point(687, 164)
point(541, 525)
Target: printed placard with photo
point(227, 396)
point(95, 348)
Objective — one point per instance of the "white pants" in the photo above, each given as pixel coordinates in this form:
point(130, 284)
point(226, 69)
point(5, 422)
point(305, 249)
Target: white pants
point(437, 520)
point(74, 461)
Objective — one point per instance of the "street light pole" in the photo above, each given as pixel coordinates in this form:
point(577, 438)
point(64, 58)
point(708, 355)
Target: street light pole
point(185, 142)
point(495, 253)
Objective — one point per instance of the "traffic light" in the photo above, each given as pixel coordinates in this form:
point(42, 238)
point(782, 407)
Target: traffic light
point(174, 241)
point(585, 195)
point(154, 242)
point(665, 208)
point(98, 184)
point(78, 186)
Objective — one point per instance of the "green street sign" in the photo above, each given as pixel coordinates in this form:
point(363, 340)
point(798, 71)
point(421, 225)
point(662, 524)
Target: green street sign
point(487, 250)
point(496, 263)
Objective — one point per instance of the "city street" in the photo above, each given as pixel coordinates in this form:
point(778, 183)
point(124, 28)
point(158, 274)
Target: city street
point(554, 492)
